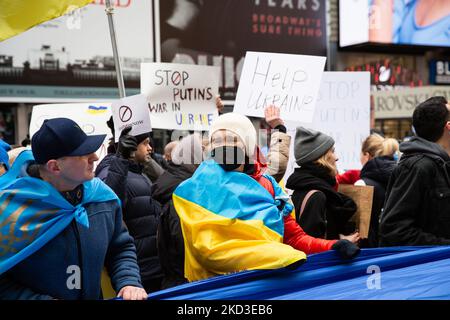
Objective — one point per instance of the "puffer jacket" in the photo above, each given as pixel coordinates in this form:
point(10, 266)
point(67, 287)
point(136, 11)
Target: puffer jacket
point(140, 213)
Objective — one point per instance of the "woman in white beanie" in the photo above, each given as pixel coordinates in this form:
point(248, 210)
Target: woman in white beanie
point(320, 210)
point(236, 218)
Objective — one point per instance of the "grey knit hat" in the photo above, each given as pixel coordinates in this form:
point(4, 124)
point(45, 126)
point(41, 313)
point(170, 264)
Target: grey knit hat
point(310, 145)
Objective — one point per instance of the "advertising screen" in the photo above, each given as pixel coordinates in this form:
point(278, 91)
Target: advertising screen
point(398, 22)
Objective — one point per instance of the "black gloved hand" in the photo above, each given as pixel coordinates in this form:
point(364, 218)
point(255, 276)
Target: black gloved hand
point(127, 144)
point(346, 249)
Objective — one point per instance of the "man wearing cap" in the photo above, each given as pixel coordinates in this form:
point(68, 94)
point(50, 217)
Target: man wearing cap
point(123, 172)
point(60, 226)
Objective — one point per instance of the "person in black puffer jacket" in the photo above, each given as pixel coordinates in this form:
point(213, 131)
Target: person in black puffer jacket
point(320, 210)
point(122, 171)
point(185, 158)
point(378, 157)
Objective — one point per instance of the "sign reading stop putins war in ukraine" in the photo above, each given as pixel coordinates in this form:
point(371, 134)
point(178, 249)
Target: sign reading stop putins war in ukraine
point(180, 96)
point(290, 82)
point(131, 112)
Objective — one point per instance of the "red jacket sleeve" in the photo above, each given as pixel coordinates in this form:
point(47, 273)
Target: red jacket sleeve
point(348, 177)
point(298, 239)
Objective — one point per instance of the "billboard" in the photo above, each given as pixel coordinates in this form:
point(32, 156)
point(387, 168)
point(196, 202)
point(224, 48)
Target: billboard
point(220, 32)
point(71, 57)
point(399, 22)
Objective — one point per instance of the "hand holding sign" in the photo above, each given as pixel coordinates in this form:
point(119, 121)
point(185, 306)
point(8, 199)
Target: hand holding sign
point(288, 81)
point(131, 112)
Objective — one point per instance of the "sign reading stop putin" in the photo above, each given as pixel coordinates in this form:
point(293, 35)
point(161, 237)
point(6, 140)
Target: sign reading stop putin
point(131, 111)
point(180, 96)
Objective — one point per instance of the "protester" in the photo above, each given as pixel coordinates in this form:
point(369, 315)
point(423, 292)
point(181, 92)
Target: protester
point(320, 210)
point(186, 157)
point(235, 218)
point(123, 172)
point(378, 157)
point(168, 151)
point(77, 224)
point(278, 155)
point(418, 197)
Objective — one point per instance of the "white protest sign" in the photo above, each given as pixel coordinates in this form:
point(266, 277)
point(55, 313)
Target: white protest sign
point(288, 81)
point(343, 112)
point(131, 111)
point(181, 97)
point(91, 117)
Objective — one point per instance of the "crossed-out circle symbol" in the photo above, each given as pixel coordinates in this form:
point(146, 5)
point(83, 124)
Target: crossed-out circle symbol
point(125, 113)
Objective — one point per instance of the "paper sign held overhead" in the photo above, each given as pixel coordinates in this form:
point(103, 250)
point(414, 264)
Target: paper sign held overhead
point(288, 81)
point(180, 96)
point(131, 111)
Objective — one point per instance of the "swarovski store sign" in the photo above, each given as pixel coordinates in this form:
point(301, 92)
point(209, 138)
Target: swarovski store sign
point(401, 103)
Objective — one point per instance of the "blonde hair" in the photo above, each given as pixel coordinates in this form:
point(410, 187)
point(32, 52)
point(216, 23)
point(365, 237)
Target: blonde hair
point(325, 161)
point(377, 146)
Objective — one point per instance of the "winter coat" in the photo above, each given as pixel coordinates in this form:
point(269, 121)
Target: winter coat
point(140, 212)
point(165, 185)
point(45, 274)
point(170, 237)
point(417, 208)
point(376, 173)
point(327, 212)
point(278, 155)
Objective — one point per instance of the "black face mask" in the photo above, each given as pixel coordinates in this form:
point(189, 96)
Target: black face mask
point(229, 158)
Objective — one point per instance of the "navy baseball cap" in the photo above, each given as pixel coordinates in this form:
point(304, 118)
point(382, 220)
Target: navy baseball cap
point(62, 137)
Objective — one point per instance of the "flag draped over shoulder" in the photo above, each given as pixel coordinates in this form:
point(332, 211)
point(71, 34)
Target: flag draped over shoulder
point(32, 213)
point(18, 16)
point(230, 223)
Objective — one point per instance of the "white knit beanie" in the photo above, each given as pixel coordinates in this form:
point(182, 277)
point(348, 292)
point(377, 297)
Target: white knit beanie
point(239, 125)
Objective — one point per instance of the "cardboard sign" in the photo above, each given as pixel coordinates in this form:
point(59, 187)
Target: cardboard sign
point(131, 111)
point(363, 197)
point(91, 117)
point(342, 112)
point(180, 96)
point(288, 81)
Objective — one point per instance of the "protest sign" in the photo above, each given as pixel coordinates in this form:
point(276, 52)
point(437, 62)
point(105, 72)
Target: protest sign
point(131, 111)
point(180, 96)
point(91, 117)
point(288, 81)
point(363, 197)
point(343, 112)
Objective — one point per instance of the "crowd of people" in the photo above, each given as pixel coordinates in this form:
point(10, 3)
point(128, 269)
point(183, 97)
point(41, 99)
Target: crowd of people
point(210, 205)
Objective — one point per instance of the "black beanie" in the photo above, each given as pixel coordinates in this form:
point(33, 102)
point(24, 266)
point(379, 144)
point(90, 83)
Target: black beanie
point(310, 145)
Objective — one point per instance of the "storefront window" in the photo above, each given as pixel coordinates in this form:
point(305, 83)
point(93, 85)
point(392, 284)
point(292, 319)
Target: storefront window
point(394, 128)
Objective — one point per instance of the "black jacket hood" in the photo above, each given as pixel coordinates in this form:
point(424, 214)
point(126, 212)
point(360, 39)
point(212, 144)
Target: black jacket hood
point(379, 169)
point(420, 145)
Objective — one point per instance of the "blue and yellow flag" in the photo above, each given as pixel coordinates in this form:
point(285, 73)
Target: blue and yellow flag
point(32, 213)
point(231, 223)
point(18, 16)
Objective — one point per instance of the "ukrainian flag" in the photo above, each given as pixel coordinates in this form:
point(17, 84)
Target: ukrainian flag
point(97, 110)
point(18, 16)
point(231, 223)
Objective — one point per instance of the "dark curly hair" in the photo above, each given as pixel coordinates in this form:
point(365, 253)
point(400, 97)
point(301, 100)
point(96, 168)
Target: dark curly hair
point(430, 117)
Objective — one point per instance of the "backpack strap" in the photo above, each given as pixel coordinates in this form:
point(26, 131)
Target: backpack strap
point(305, 200)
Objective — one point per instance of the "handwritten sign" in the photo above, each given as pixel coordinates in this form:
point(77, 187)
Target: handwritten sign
point(288, 81)
point(91, 117)
point(131, 111)
point(180, 96)
point(343, 112)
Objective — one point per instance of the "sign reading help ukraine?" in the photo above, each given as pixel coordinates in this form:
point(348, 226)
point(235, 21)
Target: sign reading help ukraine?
point(131, 111)
point(288, 81)
point(180, 96)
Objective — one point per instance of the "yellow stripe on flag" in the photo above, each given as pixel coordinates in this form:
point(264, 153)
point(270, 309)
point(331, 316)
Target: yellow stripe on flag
point(17, 16)
point(217, 245)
